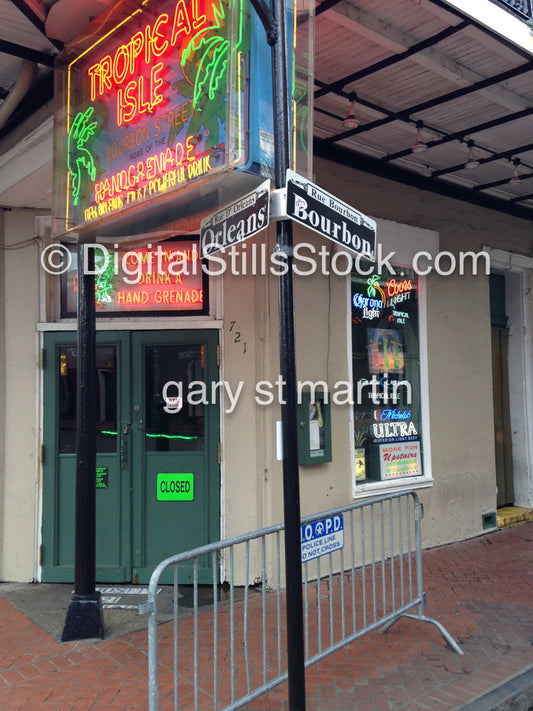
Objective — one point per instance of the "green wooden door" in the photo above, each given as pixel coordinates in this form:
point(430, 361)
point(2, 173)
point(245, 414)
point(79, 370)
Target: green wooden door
point(157, 473)
point(176, 491)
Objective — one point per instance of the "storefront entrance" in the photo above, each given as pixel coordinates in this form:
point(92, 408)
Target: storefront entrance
point(157, 473)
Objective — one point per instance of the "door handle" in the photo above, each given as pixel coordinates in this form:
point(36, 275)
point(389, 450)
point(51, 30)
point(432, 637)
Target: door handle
point(125, 430)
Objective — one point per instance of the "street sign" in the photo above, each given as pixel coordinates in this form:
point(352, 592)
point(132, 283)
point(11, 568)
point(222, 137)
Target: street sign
point(236, 222)
point(321, 537)
point(330, 217)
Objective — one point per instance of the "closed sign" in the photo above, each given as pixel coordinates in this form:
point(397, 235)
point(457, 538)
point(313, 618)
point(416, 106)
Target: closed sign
point(175, 487)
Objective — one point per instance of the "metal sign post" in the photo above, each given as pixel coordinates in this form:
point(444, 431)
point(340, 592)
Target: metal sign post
point(274, 21)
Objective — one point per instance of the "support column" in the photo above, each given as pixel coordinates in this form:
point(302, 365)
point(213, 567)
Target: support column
point(84, 615)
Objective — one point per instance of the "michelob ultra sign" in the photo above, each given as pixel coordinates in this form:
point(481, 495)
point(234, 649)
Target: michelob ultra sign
point(155, 102)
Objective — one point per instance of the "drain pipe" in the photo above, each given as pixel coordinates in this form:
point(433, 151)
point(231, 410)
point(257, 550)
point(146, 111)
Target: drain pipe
point(18, 92)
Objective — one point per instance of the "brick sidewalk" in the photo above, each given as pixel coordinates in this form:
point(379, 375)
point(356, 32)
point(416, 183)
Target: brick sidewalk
point(480, 590)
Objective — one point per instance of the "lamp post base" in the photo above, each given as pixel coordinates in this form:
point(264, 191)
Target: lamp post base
point(84, 618)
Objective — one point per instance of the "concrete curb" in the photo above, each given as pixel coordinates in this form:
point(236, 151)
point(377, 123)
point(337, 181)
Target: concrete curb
point(514, 695)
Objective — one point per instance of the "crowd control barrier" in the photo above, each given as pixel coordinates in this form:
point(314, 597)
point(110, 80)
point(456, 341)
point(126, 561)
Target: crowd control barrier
point(362, 571)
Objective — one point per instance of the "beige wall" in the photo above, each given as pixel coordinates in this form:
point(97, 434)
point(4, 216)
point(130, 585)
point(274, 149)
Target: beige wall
point(460, 391)
point(459, 374)
point(252, 476)
point(459, 343)
point(252, 473)
point(459, 367)
point(245, 358)
point(20, 483)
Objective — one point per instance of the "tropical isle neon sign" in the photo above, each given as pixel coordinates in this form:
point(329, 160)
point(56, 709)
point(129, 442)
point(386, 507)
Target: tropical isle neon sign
point(147, 105)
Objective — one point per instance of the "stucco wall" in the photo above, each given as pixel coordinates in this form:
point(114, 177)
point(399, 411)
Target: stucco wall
point(18, 503)
point(461, 409)
point(253, 479)
point(252, 475)
point(459, 343)
point(459, 369)
point(459, 366)
point(245, 359)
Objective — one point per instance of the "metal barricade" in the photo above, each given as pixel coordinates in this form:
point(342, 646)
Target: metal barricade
point(231, 651)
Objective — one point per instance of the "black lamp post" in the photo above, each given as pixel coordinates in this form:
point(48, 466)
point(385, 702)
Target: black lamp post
point(84, 615)
point(274, 21)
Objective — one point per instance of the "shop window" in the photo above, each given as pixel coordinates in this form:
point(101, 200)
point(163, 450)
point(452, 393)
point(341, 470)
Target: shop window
point(174, 431)
point(388, 443)
point(105, 399)
point(165, 279)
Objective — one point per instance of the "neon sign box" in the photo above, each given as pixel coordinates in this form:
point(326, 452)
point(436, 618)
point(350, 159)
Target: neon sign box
point(155, 280)
point(156, 120)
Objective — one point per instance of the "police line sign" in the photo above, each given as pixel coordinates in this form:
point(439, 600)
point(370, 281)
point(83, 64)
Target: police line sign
point(321, 537)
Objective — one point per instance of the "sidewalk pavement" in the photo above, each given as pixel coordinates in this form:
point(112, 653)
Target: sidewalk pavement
point(481, 590)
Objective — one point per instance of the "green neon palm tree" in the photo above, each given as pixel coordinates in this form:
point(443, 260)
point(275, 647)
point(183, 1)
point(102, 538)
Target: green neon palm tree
point(204, 63)
point(80, 159)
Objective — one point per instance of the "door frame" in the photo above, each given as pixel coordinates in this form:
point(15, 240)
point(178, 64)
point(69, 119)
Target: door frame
point(518, 272)
point(502, 418)
point(123, 338)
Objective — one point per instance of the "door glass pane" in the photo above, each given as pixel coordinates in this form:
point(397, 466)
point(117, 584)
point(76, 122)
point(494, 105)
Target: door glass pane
point(181, 429)
point(106, 399)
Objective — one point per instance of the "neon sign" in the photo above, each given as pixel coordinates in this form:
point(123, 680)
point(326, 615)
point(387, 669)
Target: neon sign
point(152, 105)
point(158, 107)
point(373, 286)
point(80, 159)
point(394, 431)
point(123, 71)
point(401, 287)
point(392, 414)
point(165, 279)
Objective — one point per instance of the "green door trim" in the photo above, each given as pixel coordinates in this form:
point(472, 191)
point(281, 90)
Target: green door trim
point(130, 565)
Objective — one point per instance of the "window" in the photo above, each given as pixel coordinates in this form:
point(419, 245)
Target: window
point(388, 443)
point(183, 430)
point(105, 397)
point(164, 279)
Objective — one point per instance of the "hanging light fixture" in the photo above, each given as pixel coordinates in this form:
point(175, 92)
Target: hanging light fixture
point(471, 162)
point(419, 145)
point(515, 178)
point(350, 121)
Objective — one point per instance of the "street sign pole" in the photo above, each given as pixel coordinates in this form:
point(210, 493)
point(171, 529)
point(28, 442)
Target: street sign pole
point(274, 20)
